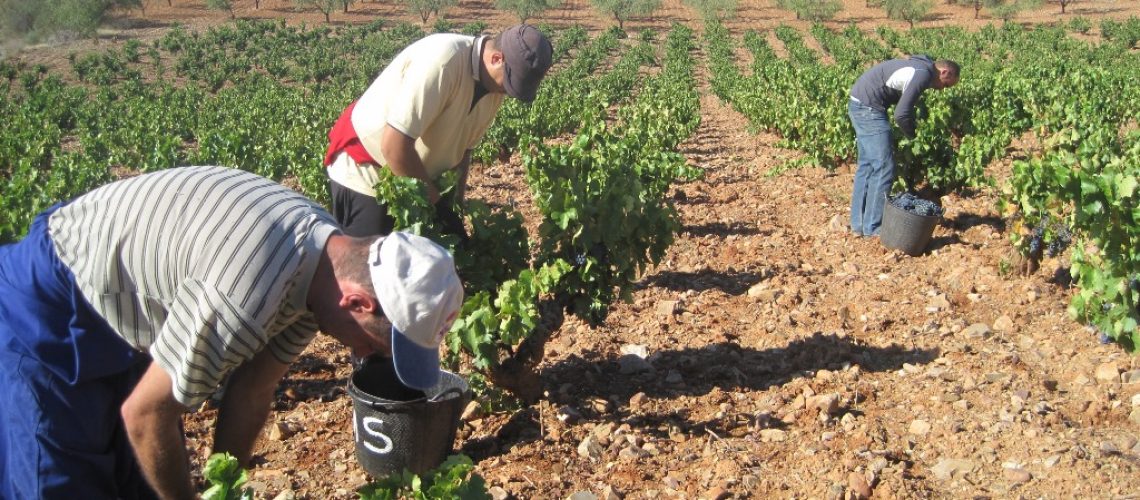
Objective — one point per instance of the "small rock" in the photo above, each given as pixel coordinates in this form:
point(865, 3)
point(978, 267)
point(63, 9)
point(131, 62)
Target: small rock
point(1016, 475)
point(590, 448)
point(569, 415)
point(938, 303)
point(638, 400)
point(858, 485)
point(1134, 417)
point(716, 493)
point(919, 427)
point(498, 493)
point(825, 403)
point(977, 331)
point(285, 495)
point(674, 377)
point(281, 431)
point(1136, 400)
point(629, 364)
point(1053, 460)
point(473, 411)
point(636, 350)
point(950, 468)
point(582, 495)
point(1003, 324)
point(762, 293)
point(1108, 372)
point(1130, 377)
point(773, 435)
point(668, 308)
point(608, 493)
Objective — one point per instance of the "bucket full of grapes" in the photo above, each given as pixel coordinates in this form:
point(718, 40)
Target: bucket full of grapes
point(908, 223)
point(398, 428)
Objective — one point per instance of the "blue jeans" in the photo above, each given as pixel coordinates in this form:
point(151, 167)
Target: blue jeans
point(876, 170)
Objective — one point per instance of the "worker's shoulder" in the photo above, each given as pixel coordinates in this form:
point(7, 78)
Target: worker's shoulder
point(441, 45)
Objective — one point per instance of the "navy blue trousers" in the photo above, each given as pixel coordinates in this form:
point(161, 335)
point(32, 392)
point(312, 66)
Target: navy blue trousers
point(64, 373)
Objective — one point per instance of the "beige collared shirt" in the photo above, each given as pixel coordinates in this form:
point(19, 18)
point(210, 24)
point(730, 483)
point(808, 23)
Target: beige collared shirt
point(425, 93)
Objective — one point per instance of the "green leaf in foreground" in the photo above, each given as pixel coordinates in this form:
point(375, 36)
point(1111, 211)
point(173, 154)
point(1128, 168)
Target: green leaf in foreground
point(226, 478)
point(454, 478)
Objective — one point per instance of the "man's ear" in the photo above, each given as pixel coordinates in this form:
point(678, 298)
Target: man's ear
point(358, 301)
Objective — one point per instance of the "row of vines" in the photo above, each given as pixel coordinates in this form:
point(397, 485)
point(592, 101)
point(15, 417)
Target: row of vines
point(1078, 99)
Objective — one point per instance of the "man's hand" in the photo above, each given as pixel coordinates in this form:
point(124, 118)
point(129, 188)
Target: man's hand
point(245, 406)
point(400, 152)
point(153, 419)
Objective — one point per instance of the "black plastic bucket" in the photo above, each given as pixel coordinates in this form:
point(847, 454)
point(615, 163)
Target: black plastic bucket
point(398, 428)
point(906, 231)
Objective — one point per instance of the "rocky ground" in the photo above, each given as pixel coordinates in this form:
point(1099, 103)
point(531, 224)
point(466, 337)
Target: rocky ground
point(771, 354)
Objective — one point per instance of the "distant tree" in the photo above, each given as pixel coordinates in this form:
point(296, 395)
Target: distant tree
point(324, 6)
point(911, 11)
point(1064, 3)
point(346, 3)
point(36, 20)
point(624, 10)
point(226, 5)
point(425, 8)
point(978, 5)
point(526, 9)
point(812, 10)
point(714, 9)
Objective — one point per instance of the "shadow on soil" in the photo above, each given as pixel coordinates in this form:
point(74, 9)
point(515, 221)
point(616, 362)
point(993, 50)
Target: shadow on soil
point(725, 366)
point(732, 282)
point(721, 229)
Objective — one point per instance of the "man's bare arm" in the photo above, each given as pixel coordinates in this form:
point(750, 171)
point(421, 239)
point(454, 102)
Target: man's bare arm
point(400, 153)
point(153, 421)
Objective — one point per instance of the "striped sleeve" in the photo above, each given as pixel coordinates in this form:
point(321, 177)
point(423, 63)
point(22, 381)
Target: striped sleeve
point(288, 345)
point(204, 337)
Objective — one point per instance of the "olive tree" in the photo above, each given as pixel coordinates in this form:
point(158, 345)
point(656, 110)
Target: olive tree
point(911, 11)
point(426, 8)
point(526, 9)
point(226, 5)
point(623, 10)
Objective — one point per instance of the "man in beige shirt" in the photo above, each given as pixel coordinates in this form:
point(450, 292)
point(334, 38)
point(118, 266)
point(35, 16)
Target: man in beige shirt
point(424, 114)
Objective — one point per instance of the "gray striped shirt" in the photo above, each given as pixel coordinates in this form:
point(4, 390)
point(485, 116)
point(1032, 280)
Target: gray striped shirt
point(202, 267)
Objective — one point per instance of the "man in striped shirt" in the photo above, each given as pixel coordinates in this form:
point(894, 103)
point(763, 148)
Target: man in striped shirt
point(129, 306)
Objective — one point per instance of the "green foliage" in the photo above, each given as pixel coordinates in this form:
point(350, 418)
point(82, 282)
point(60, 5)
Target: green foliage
point(716, 10)
point(226, 5)
point(624, 10)
point(426, 8)
point(1080, 24)
point(911, 11)
point(454, 479)
point(526, 10)
point(812, 10)
point(37, 20)
point(325, 7)
point(226, 478)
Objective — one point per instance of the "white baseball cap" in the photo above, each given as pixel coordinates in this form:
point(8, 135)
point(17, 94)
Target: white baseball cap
point(420, 292)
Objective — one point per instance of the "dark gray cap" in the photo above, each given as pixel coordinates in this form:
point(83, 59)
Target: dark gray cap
point(527, 54)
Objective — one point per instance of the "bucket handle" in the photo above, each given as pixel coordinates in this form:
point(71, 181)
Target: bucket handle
point(391, 405)
point(450, 392)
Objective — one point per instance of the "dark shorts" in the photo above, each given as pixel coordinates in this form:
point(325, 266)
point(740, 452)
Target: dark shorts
point(361, 215)
point(63, 376)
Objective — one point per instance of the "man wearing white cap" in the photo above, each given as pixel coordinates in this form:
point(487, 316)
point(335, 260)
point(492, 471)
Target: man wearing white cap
point(422, 116)
point(129, 306)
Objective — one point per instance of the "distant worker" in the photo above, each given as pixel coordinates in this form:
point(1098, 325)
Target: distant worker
point(898, 82)
point(423, 115)
point(129, 306)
